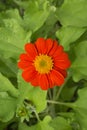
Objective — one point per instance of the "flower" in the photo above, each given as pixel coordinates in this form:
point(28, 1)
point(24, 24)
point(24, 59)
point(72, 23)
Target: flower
point(44, 64)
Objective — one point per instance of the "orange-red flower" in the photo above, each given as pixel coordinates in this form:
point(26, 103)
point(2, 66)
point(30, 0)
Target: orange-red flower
point(44, 64)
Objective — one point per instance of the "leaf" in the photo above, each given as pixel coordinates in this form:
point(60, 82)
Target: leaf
point(83, 37)
point(12, 38)
point(35, 15)
point(7, 107)
point(6, 86)
point(67, 35)
point(42, 125)
point(82, 49)
point(60, 123)
point(47, 30)
point(33, 94)
point(11, 13)
point(68, 92)
point(80, 108)
point(5, 67)
point(12, 33)
point(73, 12)
point(79, 66)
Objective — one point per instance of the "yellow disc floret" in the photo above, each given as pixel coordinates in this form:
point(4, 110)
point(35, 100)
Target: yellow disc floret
point(43, 64)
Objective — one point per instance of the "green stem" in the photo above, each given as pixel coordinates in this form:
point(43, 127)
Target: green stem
point(54, 93)
point(61, 103)
point(50, 94)
point(37, 115)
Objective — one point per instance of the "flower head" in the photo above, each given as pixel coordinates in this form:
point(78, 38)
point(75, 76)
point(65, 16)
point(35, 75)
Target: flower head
point(44, 64)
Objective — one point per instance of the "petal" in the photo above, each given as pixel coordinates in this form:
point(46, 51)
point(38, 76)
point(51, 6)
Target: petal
point(31, 50)
point(51, 83)
point(49, 43)
point(57, 77)
point(23, 64)
point(41, 45)
point(63, 56)
point(24, 57)
point(62, 64)
point(29, 74)
point(53, 49)
point(58, 51)
point(43, 82)
point(63, 72)
point(35, 81)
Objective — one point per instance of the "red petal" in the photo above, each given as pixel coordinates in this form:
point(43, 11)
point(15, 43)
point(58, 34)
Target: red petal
point(35, 81)
point(29, 74)
point(63, 56)
point(58, 51)
point(53, 49)
point(23, 64)
point(57, 77)
point(62, 64)
point(63, 72)
point(51, 83)
point(25, 57)
point(31, 50)
point(43, 82)
point(49, 43)
point(41, 45)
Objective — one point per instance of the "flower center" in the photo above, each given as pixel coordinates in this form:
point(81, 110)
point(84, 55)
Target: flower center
point(43, 63)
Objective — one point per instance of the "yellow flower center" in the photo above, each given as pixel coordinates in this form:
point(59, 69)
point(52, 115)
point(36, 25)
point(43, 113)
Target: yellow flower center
point(43, 63)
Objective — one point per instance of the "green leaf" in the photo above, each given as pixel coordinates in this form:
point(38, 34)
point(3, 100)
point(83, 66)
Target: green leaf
point(47, 30)
point(35, 15)
point(79, 66)
point(6, 86)
point(83, 37)
point(5, 67)
point(13, 33)
point(33, 94)
point(80, 108)
point(7, 107)
point(2, 126)
point(73, 12)
point(42, 125)
point(67, 35)
point(12, 38)
point(12, 13)
point(60, 123)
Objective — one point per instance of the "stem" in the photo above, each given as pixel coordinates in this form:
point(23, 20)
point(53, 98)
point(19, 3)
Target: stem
point(61, 103)
point(61, 88)
point(37, 115)
point(54, 93)
point(50, 94)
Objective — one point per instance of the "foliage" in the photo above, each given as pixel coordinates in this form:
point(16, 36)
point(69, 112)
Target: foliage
point(23, 107)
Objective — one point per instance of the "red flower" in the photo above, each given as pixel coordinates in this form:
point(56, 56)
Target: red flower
point(44, 64)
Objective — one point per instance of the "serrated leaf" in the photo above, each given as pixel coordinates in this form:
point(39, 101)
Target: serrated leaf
point(60, 123)
point(5, 67)
point(11, 13)
point(35, 15)
point(34, 94)
point(67, 35)
point(79, 66)
point(7, 108)
point(13, 33)
point(73, 12)
point(80, 108)
point(6, 86)
point(12, 38)
point(42, 125)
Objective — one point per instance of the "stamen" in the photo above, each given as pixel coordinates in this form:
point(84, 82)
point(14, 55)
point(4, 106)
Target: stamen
point(43, 64)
